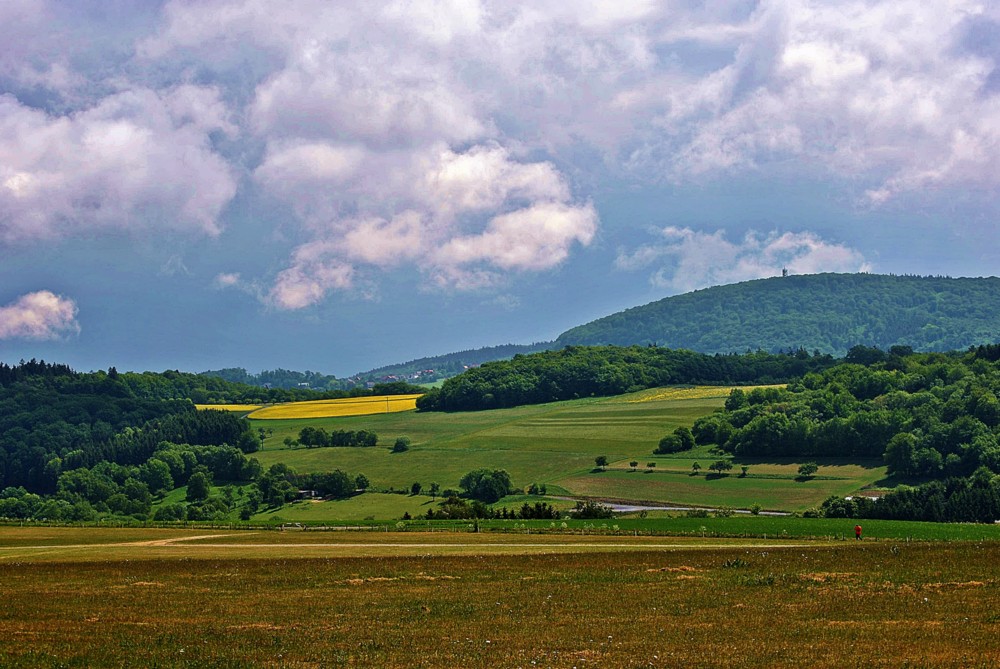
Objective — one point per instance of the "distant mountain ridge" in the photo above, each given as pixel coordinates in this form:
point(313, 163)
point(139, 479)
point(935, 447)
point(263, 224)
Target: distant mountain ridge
point(825, 312)
point(432, 368)
point(828, 313)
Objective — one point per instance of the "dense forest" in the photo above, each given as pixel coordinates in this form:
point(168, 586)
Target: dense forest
point(929, 416)
point(826, 312)
point(208, 389)
point(78, 446)
point(281, 378)
point(926, 414)
point(595, 371)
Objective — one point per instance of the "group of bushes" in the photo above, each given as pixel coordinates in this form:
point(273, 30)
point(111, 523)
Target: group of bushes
point(313, 436)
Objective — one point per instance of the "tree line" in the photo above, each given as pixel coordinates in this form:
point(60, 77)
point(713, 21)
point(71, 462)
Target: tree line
point(598, 371)
point(927, 415)
point(317, 436)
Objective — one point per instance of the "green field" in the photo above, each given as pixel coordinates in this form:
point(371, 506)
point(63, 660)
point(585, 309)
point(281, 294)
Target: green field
point(88, 597)
point(555, 444)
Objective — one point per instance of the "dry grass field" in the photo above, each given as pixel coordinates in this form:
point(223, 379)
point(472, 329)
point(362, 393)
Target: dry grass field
point(140, 598)
point(688, 393)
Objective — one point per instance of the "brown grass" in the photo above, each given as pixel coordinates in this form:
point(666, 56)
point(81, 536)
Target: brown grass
point(811, 605)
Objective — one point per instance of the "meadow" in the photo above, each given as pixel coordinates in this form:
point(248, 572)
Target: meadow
point(556, 445)
point(196, 598)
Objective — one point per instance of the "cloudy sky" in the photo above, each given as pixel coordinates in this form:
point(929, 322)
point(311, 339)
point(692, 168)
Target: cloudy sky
point(335, 186)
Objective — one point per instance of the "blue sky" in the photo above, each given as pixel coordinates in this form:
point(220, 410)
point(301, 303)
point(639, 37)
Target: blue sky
point(338, 186)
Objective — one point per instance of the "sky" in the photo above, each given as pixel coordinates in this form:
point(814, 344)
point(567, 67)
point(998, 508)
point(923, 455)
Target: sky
point(337, 186)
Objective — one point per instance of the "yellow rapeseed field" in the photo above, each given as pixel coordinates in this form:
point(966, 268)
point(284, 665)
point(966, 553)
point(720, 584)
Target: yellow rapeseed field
point(689, 393)
point(349, 406)
point(229, 407)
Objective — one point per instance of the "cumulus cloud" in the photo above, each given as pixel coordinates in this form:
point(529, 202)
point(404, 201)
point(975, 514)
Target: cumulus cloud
point(686, 259)
point(135, 160)
point(39, 315)
point(535, 238)
point(315, 270)
point(227, 280)
point(460, 136)
point(886, 93)
point(466, 218)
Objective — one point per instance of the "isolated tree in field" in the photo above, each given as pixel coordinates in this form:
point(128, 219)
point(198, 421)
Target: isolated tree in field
point(361, 482)
point(743, 470)
point(650, 466)
point(808, 469)
point(434, 490)
point(416, 488)
point(601, 461)
point(695, 468)
point(633, 464)
point(720, 466)
point(402, 444)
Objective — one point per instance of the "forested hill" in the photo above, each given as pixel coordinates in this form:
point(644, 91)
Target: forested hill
point(432, 368)
point(826, 312)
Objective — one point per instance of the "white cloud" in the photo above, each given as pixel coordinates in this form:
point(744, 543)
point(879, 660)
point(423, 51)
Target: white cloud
point(227, 280)
point(138, 159)
point(687, 259)
point(466, 219)
point(460, 136)
point(380, 242)
point(535, 238)
point(315, 271)
point(884, 93)
point(39, 315)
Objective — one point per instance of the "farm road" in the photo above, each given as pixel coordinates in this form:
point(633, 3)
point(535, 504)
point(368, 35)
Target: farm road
point(289, 546)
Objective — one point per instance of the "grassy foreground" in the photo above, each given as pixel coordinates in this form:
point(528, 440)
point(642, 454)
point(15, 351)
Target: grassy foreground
point(138, 598)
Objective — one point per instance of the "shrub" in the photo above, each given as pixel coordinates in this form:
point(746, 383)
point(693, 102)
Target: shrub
point(590, 510)
point(486, 485)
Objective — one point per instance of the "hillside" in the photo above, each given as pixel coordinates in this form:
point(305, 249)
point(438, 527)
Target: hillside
point(433, 368)
point(825, 312)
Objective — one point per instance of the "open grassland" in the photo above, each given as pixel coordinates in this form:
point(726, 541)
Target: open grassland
point(438, 599)
point(382, 506)
point(534, 443)
point(555, 444)
point(348, 406)
point(709, 491)
point(370, 505)
point(689, 393)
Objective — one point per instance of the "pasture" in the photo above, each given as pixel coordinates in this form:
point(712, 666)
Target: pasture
point(192, 598)
point(556, 444)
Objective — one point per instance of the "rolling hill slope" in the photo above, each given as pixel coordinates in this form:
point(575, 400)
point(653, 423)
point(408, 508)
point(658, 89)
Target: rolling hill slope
point(825, 312)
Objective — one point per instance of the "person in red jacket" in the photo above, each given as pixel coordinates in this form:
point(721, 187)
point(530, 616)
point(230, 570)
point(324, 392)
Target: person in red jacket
point(857, 532)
